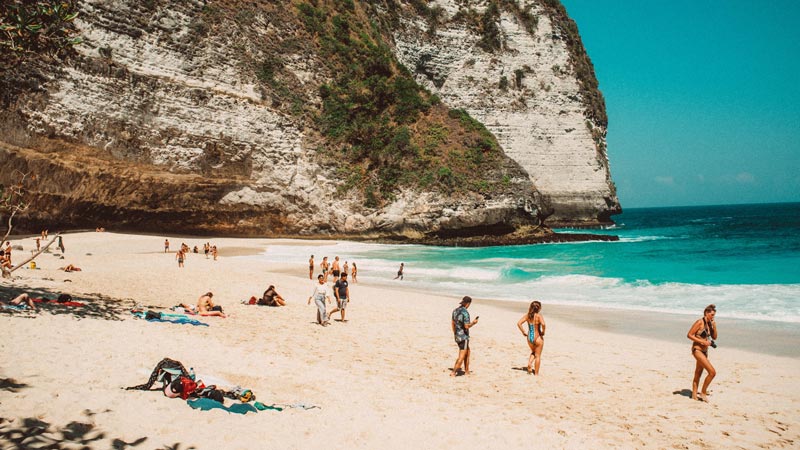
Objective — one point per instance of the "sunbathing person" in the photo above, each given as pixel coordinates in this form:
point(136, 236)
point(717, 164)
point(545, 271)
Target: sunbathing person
point(70, 268)
point(206, 306)
point(22, 300)
point(272, 298)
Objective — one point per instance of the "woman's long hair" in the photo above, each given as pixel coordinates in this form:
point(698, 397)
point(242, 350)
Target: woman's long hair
point(535, 307)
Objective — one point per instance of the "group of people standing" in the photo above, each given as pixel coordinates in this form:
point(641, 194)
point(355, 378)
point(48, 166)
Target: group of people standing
point(182, 252)
point(460, 324)
point(703, 333)
point(327, 269)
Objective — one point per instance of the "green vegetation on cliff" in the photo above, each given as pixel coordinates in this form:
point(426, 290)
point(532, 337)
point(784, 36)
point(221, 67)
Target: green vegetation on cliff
point(389, 131)
point(36, 28)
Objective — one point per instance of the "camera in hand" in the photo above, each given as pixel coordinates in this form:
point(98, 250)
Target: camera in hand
point(713, 343)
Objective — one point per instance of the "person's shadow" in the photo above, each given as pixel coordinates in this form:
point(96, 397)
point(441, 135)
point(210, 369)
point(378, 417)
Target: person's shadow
point(684, 392)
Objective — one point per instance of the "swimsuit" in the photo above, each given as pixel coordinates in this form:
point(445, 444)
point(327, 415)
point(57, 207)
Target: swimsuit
point(532, 333)
point(704, 335)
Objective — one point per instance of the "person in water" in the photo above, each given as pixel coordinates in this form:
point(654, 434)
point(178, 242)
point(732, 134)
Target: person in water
point(702, 334)
point(534, 334)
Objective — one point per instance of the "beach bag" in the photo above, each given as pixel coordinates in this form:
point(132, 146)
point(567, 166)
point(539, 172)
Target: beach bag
point(63, 298)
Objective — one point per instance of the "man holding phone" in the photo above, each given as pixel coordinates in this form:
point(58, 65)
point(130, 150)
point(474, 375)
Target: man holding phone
point(460, 325)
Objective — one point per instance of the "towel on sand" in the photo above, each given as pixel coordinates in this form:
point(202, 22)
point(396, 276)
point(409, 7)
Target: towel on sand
point(205, 404)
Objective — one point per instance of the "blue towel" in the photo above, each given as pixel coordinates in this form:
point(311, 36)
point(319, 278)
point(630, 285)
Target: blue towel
point(205, 404)
point(182, 321)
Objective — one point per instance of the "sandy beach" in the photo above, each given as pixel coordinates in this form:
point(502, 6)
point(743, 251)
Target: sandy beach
point(381, 380)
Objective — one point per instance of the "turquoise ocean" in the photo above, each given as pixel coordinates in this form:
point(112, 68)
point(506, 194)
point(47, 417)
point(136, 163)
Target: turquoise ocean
point(743, 258)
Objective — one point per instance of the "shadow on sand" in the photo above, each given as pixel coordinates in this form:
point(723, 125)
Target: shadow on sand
point(32, 432)
point(97, 306)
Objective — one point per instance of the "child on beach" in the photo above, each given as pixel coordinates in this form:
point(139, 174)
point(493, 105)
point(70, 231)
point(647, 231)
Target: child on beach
point(702, 334)
point(534, 335)
point(320, 295)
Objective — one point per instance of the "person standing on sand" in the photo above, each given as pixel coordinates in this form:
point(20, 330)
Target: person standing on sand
point(342, 293)
point(355, 272)
point(702, 334)
point(320, 295)
point(400, 272)
point(180, 257)
point(335, 269)
point(38, 244)
point(324, 266)
point(535, 334)
point(460, 325)
point(346, 268)
point(8, 252)
point(214, 252)
point(206, 249)
point(311, 268)
point(61, 244)
point(166, 245)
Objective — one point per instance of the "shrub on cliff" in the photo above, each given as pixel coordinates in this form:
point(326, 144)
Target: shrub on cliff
point(36, 28)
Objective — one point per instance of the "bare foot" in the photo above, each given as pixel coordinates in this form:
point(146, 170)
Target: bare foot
point(702, 398)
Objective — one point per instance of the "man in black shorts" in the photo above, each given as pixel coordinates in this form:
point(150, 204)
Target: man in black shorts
point(342, 293)
point(335, 269)
point(460, 325)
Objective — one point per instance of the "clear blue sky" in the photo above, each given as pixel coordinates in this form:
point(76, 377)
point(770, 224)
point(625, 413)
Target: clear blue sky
point(703, 97)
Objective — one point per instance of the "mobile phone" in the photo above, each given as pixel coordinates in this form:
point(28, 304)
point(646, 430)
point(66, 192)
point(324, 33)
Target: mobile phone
point(477, 317)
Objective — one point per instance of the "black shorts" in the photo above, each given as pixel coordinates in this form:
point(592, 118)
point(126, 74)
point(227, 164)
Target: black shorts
point(463, 345)
point(335, 273)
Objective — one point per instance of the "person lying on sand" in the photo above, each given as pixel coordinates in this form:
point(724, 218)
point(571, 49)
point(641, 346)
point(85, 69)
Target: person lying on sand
point(22, 300)
point(70, 268)
point(271, 298)
point(206, 306)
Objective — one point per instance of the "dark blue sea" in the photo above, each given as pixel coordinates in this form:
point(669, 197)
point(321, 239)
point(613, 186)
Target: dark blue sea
point(743, 258)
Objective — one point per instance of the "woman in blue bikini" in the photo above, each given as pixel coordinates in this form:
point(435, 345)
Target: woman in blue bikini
point(535, 334)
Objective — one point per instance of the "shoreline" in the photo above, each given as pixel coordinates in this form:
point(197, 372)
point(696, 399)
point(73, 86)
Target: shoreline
point(759, 336)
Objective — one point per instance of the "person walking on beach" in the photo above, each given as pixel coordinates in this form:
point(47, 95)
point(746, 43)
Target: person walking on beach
point(214, 252)
point(355, 273)
point(702, 334)
point(166, 245)
point(342, 293)
point(535, 334)
point(320, 295)
point(399, 272)
point(460, 325)
point(61, 244)
point(311, 268)
point(180, 256)
point(38, 244)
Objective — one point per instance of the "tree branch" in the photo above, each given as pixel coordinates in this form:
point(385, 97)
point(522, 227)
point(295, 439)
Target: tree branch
point(7, 272)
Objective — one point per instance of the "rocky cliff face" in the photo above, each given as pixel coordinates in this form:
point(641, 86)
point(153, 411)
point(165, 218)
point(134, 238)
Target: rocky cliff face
point(169, 118)
point(526, 90)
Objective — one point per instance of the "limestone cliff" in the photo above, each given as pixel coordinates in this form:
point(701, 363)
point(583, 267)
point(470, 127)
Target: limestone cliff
point(210, 116)
point(521, 69)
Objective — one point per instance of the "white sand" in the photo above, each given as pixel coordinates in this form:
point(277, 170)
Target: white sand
point(380, 380)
